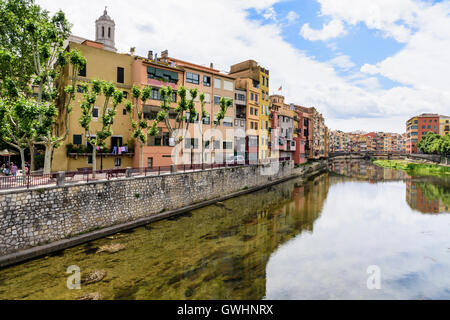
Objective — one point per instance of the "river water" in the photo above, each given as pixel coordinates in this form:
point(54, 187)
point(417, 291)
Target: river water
point(358, 232)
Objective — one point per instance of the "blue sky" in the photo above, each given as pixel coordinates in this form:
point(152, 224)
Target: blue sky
point(361, 44)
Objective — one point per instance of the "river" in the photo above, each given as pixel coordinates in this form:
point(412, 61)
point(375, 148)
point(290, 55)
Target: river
point(357, 232)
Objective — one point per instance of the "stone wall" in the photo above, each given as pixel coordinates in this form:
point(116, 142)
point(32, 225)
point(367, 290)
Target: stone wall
point(39, 216)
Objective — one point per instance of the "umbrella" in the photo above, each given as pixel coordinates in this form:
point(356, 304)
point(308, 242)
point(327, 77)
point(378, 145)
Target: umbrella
point(7, 153)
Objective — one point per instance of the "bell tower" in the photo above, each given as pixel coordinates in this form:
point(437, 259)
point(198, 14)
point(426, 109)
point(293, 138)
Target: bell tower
point(105, 31)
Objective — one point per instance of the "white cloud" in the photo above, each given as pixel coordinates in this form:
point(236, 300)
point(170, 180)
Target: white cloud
point(333, 29)
point(292, 17)
point(394, 18)
point(222, 33)
point(270, 14)
point(342, 61)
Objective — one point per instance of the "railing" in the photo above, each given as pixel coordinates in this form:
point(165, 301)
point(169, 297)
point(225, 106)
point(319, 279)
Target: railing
point(27, 181)
point(87, 175)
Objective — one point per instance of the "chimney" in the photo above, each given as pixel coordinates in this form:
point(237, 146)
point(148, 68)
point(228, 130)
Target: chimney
point(211, 65)
point(150, 55)
point(156, 58)
point(165, 54)
point(132, 50)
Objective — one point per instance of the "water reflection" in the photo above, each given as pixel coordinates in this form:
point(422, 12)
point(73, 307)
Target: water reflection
point(361, 225)
point(430, 194)
point(218, 252)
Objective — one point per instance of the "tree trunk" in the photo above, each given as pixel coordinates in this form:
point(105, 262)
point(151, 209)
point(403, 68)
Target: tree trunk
point(48, 159)
point(22, 159)
point(141, 156)
point(32, 150)
point(94, 161)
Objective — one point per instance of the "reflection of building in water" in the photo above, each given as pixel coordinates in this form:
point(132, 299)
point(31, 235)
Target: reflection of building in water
point(427, 195)
point(365, 170)
point(275, 226)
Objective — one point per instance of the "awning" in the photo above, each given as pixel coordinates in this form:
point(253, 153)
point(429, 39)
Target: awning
point(7, 153)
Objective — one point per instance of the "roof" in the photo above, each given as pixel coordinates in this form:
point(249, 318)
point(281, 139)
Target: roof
point(191, 65)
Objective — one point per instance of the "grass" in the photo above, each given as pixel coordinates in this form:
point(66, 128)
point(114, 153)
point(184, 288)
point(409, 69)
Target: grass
point(414, 168)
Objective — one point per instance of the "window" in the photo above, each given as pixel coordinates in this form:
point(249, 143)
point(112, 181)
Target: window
point(207, 81)
point(158, 74)
point(159, 140)
point(240, 97)
point(109, 32)
point(251, 110)
point(192, 78)
point(125, 95)
point(77, 139)
point(103, 32)
point(89, 160)
point(252, 125)
point(117, 162)
point(227, 145)
point(82, 71)
point(228, 85)
point(155, 94)
point(256, 112)
point(228, 122)
point(191, 143)
point(95, 112)
point(116, 141)
point(120, 75)
point(251, 96)
point(206, 120)
point(217, 100)
point(236, 123)
point(217, 144)
point(256, 125)
point(217, 83)
point(207, 98)
point(124, 112)
point(256, 97)
point(150, 163)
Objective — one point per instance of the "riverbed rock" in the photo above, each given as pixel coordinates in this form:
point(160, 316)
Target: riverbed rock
point(93, 277)
point(111, 248)
point(91, 296)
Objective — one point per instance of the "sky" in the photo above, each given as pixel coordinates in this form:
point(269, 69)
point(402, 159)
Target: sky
point(365, 64)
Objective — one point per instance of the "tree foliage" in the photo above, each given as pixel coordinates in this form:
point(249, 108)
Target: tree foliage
point(433, 143)
point(32, 59)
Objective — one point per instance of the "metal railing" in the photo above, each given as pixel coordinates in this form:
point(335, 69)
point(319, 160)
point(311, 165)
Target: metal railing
point(88, 175)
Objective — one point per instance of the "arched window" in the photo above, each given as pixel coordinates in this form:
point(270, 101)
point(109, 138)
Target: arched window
point(109, 32)
point(103, 31)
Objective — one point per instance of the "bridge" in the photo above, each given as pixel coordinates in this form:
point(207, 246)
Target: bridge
point(368, 155)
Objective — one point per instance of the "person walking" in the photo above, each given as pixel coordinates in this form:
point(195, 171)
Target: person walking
point(13, 169)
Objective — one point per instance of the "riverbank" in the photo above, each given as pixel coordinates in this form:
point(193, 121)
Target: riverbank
point(414, 168)
point(38, 222)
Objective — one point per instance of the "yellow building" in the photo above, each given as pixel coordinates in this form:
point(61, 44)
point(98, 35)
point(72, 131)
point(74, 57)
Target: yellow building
point(444, 125)
point(264, 115)
point(75, 152)
point(254, 79)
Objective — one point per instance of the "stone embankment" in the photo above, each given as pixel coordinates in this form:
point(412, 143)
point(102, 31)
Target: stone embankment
point(42, 220)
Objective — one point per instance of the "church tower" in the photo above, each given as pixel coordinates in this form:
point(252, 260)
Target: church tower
point(105, 31)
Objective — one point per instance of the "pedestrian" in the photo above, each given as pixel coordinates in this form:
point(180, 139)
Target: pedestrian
point(13, 169)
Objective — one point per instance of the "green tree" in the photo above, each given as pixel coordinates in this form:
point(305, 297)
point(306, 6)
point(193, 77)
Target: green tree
point(32, 59)
point(428, 143)
point(90, 95)
point(17, 125)
point(225, 103)
point(140, 125)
